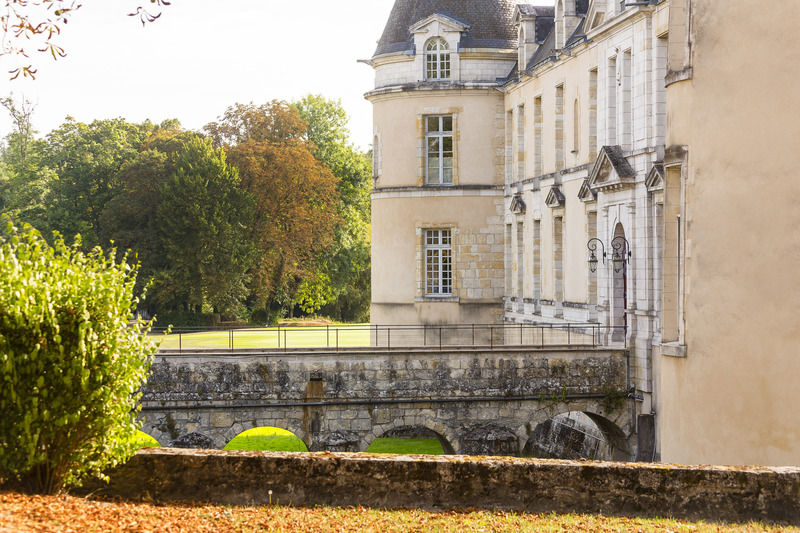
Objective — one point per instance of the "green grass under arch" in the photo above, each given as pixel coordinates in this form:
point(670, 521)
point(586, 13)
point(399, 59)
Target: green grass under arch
point(267, 439)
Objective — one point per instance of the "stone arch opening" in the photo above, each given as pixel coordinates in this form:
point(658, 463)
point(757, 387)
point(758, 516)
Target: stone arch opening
point(267, 438)
point(578, 435)
point(411, 440)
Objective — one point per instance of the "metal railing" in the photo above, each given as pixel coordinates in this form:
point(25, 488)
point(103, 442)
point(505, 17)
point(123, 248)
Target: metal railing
point(390, 337)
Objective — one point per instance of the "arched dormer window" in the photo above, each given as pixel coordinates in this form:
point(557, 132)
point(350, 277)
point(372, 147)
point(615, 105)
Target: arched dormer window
point(437, 60)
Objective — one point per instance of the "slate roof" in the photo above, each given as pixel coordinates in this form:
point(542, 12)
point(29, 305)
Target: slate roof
point(490, 22)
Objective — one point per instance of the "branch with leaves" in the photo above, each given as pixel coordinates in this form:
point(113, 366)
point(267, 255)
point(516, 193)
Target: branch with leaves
point(34, 26)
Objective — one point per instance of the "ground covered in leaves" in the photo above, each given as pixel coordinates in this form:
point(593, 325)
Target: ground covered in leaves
point(67, 514)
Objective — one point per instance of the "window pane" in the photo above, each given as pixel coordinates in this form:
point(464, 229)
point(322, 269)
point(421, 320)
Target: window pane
point(447, 144)
point(433, 145)
point(447, 123)
point(432, 124)
point(447, 175)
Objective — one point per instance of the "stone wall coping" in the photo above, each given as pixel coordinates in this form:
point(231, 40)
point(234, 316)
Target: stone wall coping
point(721, 493)
point(588, 351)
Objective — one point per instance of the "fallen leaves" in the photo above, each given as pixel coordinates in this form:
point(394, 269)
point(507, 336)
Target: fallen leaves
point(20, 513)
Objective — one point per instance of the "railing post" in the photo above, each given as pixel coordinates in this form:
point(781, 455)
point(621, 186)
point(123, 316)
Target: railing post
point(180, 342)
point(327, 335)
point(520, 333)
point(337, 339)
point(285, 346)
point(491, 337)
point(569, 336)
point(473, 334)
point(440, 338)
point(388, 337)
point(279, 335)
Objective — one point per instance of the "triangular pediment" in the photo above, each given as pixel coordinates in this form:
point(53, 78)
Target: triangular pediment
point(655, 178)
point(518, 206)
point(444, 22)
point(555, 198)
point(595, 16)
point(587, 194)
point(611, 171)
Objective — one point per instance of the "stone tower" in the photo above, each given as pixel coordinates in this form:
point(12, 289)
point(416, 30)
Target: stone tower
point(439, 126)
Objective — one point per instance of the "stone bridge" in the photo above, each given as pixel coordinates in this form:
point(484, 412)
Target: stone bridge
point(475, 401)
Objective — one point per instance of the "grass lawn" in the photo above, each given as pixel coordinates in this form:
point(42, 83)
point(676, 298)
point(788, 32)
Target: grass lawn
point(267, 439)
point(294, 337)
point(143, 440)
point(406, 446)
point(20, 512)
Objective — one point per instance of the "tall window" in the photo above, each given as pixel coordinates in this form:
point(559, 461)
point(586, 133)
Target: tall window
point(437, 60)
point(439, 142)
point(438, 262)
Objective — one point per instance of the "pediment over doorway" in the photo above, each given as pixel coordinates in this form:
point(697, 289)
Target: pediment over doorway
point(611, 171)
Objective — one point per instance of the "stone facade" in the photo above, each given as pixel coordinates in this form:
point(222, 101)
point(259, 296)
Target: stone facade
point(259, 478)
point(467, 397)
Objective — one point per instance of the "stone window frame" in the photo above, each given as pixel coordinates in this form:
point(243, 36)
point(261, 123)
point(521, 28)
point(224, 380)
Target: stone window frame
point(442, 135)
point(438, 63)
point(421, 272)
point(422, 149)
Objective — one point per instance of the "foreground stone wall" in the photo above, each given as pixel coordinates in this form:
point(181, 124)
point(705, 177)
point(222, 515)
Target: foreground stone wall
point(246, 478)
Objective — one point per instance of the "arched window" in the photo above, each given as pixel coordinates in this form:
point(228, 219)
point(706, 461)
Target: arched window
point(437, 60)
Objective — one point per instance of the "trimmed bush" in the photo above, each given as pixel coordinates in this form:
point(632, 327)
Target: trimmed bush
point(72, 361)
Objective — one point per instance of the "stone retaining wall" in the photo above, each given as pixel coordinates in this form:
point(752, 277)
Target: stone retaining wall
point(246, 478)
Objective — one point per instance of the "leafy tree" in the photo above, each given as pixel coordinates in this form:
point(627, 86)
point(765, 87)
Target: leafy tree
point(203, 218)
point(35, 25)
point(87, 159)
point(71, 361)
point(25, 182)
point(295, 195)
point(343, 285)
point(129, 218)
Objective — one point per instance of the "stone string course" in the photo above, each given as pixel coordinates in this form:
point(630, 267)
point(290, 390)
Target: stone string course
point(457, 482)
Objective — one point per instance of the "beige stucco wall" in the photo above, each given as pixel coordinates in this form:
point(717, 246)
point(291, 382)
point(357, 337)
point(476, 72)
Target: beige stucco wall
point(397, 224)
point(732, 399)
point(477, 134)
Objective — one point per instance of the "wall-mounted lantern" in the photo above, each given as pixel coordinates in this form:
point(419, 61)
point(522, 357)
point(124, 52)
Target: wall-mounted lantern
point(592, 245)
point(622, 252)
point(619, 257)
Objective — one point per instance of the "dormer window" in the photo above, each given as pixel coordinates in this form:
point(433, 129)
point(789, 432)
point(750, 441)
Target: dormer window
point(437, 60)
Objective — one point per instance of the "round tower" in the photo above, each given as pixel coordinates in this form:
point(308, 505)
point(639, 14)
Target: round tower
point(439, 135)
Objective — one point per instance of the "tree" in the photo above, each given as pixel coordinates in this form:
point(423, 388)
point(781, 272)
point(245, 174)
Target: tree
point(203, 218)
point(129, 218)
point(34, 26)
point(26, 181)
point(72, 363)
point(343, 285)
point(87, 159)
point(295, 195)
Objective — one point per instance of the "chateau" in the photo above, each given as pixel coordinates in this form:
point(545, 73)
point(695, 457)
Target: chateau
point(621, 163)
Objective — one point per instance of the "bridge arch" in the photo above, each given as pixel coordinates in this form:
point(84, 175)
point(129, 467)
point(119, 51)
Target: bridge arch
point(407, 424)
point(268, 438)
point(572, 434)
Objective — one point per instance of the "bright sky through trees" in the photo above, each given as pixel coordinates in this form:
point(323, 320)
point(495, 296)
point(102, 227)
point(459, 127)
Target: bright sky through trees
point(202, 56)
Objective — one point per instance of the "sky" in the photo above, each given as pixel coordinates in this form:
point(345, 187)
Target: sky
point(202, 56)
